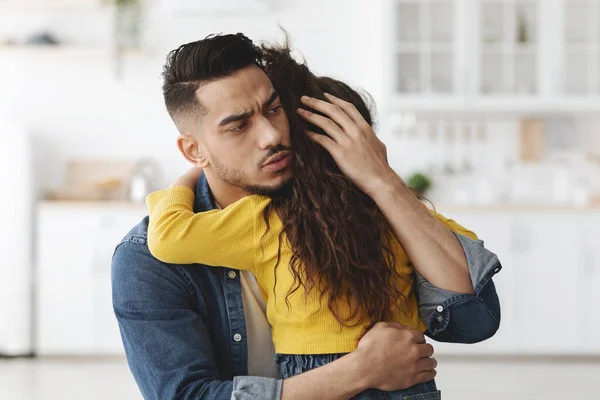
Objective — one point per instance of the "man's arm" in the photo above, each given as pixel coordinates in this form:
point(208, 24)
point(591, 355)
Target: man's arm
point(453, 273)
point(432, 248)
point(388, 357)
point(170, 353)
point(463, 318)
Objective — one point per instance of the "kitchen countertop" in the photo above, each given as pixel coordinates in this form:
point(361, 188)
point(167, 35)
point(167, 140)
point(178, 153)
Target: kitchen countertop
point(592, 207)
point(91, 204)
point(441, 207)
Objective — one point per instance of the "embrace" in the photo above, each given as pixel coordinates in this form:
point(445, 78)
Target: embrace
point(291, 261)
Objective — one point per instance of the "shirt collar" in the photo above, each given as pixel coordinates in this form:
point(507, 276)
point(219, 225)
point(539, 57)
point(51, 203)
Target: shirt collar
point(204, 198)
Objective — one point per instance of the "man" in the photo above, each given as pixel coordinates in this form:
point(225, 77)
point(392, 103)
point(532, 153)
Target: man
point(200, 332)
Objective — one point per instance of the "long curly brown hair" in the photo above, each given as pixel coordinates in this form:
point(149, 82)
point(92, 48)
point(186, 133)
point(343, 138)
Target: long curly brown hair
point(342, 244)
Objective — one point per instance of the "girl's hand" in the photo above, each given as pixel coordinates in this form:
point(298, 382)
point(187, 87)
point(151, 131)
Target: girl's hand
point(189, 179)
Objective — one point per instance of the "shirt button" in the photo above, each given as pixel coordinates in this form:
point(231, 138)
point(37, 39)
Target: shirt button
point(237, 337)
point(440, 308)
point(440, 318)
point(232, 274)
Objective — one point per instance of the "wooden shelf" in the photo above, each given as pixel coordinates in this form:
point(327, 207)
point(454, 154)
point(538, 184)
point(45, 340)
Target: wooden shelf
point(515, 207)
point(94, 204)
point(49, 4)
point(65, 50)
point(495, 104)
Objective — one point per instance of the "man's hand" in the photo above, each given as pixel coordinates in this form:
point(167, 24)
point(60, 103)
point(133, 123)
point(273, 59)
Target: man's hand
point(432, 248)
point(352, 143)
point(189, 179)
point(395, 357)
point(389, 357)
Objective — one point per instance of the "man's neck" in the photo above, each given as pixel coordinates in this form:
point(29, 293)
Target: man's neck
point(224, 193)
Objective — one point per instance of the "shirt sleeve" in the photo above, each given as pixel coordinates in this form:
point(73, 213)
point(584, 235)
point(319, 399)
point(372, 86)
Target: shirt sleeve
point(177, 235)
point(463, 318)
point(256, 387)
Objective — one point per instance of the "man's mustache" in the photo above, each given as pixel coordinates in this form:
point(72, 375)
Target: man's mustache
point(274, 150)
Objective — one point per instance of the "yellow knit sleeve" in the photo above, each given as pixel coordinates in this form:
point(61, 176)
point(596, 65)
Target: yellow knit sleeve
point(177, 235)
point(454, 226)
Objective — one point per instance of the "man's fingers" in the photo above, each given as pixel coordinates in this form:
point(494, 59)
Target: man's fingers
point(425, 376)
point(419, 337)
point(332, 111)
point(349, 109)
point(328, 143)
point(425, 350)
point(427, 364)
point(330, 127)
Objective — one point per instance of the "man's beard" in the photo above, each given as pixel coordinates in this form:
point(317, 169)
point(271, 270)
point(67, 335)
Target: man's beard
point(236, 177)
point(277, 191)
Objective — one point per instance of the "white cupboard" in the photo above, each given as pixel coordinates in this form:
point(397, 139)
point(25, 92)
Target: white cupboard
point(512, 55)
point(75, 244)
point(548, 286)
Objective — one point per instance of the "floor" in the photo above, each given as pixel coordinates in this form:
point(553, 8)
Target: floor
point(459, 379)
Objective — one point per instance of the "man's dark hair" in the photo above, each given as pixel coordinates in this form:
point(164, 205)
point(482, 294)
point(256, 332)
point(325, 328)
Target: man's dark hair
point(194, 64)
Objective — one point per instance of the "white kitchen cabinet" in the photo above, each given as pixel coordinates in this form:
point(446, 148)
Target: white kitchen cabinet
point(545, 254)
point(548, 285)
point(510, 55)
point(75, 244)
point(578, 49)
point(507, 48)
point(588, 273)
point(425, 57)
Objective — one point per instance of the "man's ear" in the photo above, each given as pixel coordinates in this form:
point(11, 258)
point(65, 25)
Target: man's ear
point(193, 150)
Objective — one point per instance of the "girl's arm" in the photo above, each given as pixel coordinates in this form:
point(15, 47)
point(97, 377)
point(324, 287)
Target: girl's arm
point(177, 235)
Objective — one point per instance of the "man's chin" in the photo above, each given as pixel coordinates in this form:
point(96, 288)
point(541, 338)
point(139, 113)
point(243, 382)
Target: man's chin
point(277, 190)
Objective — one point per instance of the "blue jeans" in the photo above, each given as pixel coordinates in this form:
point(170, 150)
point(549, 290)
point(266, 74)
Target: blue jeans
point(295, 364)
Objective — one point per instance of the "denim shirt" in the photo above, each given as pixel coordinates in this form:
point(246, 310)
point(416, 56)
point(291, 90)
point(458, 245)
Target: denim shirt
point(183, 326)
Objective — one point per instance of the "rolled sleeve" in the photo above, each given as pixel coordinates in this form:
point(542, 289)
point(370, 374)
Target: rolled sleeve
point(255, 387)
point(463, 318)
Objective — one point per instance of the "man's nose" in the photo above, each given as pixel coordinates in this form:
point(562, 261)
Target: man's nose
point(268, 135)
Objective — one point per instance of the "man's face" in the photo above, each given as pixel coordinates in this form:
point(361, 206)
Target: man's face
point(245, 135)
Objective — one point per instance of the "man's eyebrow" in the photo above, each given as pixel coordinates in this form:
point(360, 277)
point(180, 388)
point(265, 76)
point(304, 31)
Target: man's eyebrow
point(239, 117)
point(235, 118)
point(271, 99)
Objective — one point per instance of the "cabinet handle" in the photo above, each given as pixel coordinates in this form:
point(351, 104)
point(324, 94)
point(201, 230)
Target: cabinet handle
point(520, 239)
point(588, 262)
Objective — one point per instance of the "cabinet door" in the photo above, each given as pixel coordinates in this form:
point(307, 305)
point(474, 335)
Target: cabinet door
point(425, 56)
point(539, 286)
point(74, 309)
point(508, 49)
point(588, 274)
point(578, 49)
point(545, 254)
point(64, 288)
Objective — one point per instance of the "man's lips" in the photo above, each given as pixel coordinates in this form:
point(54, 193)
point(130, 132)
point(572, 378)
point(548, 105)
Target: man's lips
point(278, 161)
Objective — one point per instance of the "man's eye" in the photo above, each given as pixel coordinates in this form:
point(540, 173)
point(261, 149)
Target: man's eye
point(239, 127)
point(274, 110)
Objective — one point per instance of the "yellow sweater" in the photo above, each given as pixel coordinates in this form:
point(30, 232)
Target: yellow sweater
point(233, 237)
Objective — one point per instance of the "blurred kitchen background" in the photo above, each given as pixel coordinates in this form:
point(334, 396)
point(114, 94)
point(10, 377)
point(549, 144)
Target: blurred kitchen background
point(490, 108)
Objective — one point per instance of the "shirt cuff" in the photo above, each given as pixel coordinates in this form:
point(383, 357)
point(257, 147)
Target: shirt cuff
point(256, 387)
point(483, 265)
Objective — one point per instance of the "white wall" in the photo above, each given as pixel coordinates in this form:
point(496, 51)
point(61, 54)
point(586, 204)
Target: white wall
point(75, 107)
